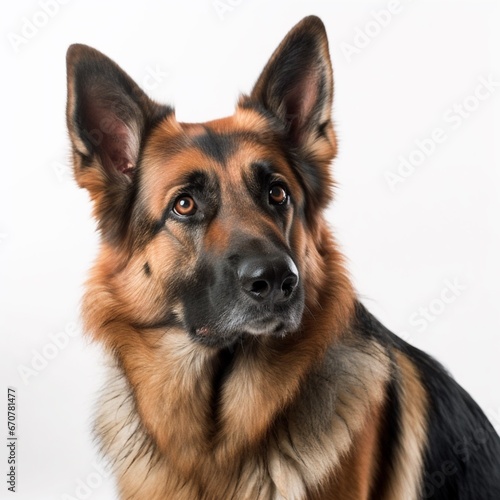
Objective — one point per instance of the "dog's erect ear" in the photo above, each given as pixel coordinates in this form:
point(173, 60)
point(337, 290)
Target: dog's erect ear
point(296, 86)
point(107, 116)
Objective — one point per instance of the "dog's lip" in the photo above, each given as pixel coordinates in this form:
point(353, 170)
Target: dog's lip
point(260, 326)
point(263, 326)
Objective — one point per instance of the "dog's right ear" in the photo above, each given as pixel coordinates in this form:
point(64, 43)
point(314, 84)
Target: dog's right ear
point(107, 116)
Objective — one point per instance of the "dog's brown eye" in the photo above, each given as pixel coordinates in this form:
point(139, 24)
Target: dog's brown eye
point(277, 195)
point(185, 205)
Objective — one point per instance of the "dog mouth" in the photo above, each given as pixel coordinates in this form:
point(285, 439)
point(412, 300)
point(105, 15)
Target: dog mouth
point(257, 327)
point(265, 326)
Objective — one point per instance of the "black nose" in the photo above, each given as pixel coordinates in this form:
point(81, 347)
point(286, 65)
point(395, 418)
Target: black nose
point(269, 279)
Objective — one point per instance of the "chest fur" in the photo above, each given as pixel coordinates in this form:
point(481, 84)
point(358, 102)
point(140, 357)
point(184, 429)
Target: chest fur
point(302, 446)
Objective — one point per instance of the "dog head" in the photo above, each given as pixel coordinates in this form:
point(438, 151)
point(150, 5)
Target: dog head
point(214, 227)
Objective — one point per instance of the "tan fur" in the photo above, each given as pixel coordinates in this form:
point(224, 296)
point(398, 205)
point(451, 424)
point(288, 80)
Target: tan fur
point(354, 478)
point(406, 481)
point(294, 459)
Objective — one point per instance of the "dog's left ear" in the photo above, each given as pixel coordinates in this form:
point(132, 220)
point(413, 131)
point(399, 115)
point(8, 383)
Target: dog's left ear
point(296, 86)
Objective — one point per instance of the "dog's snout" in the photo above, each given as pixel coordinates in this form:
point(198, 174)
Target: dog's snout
point(268, 279)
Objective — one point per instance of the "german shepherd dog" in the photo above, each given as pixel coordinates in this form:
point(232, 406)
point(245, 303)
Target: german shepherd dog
point(242, 364)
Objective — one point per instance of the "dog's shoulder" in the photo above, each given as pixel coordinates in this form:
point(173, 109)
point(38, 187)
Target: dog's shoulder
point(461, 449)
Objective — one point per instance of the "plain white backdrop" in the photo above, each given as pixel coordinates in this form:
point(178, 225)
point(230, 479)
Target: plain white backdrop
point(416, 109)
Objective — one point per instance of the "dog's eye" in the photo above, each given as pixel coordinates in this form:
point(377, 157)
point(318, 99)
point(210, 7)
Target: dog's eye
point(185, 206)
point(277, 195)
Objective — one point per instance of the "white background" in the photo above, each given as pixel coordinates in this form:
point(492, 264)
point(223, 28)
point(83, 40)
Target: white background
point(440, 223)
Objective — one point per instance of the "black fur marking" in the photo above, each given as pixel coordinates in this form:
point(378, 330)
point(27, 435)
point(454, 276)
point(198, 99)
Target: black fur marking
point(389, 437)
point(216, 146)
point(222, 370)
point(147, 269)
point(198, 180)
point(322, 129)
point(258, 179)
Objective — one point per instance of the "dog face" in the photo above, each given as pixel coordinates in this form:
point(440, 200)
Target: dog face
point(210, 227)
